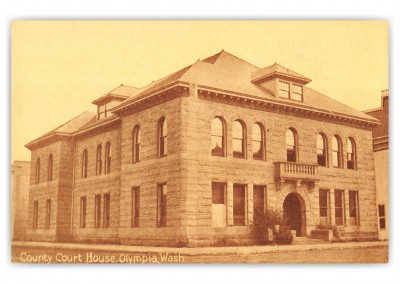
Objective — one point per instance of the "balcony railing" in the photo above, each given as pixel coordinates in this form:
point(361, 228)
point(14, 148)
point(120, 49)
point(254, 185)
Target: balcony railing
point(296, 171)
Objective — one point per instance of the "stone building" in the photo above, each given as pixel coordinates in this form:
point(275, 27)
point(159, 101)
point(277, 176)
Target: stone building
point(381, 157)
point(20, 171)
point(189, 158)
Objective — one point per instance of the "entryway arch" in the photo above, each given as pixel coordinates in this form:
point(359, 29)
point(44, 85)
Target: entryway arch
point(292, 212)
point(295, 205)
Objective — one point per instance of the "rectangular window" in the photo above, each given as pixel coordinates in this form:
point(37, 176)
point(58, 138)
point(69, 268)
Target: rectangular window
point(83, 212)
point(324, 206)
point(259, 202)
point(382, 219)
point(97, 210)
point(239, 205)
point(218, 206)
point(297, 93)
point(35, 214)
point(162, 205)
point(106, 211)
point(135, 206)
point(283, 90)
point(48, 213)
point(353, 208)
point(339, 207)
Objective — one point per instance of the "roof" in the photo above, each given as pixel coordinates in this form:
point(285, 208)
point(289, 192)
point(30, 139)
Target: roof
point(222, 71)
point(277, 70)
point(227, 72)
point(73, 125)
point(121, 92)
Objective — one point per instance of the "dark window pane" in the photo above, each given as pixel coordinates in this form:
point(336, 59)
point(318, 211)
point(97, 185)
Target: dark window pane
point(97, 209)
point(106, 213)
point(321, 160)
point(218, 193)
point(381, 209)
point(216, 146)
point(162, 205)
point(258, 202)
point(239, 205)
point(291, 155)
point(323, 212)
point(323, 198)
point(382, 223)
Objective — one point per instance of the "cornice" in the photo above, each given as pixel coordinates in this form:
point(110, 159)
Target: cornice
point(280, 107)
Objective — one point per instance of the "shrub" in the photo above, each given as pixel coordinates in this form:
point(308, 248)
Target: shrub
point(284, 236)
point(264, 221)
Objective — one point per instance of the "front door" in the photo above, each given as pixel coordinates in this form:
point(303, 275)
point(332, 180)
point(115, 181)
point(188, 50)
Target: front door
point(292, 213)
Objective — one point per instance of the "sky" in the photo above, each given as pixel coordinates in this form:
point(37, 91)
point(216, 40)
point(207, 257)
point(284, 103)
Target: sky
point(59, 67)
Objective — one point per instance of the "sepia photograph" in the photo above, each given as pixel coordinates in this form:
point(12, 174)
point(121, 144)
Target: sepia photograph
point(182, 141)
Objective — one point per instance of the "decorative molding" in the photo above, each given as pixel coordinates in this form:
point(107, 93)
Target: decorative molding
point(278, 107)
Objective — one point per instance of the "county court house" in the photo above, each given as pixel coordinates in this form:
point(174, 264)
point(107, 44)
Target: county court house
point(189, 158)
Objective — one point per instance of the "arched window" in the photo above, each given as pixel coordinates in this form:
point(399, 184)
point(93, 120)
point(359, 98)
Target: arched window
point(50, 168)
point(84, 163)
point(238, 139)
point(136, 144)
point(107, 166)
point(351, 154)
point(99, 161)
point(37, 171)
point(291, 145)
point(217, 137)
point(257, 138)
point(322, 153)
point(336, 152)
point(162, 137)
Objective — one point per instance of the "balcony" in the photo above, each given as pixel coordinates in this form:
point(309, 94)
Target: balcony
point(296, 171)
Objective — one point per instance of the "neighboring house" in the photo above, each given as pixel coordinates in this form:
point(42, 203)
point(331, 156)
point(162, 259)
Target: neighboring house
point(20, 171)
point(381, 157)
point(188, 159)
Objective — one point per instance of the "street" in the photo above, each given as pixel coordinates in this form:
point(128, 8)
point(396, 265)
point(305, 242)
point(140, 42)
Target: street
point(26, 254)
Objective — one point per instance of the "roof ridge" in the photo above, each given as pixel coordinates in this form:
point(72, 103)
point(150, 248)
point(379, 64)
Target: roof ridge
point(214, 58)
point(223, 51)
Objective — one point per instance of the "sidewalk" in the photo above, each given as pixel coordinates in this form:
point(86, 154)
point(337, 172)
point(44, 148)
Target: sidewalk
point(242, 250)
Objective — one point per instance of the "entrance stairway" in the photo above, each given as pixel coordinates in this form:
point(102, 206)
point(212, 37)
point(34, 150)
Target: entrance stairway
point(307, 241)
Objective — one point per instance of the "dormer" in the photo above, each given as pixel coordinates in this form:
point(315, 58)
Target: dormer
point(281, 82)
point(113, 98)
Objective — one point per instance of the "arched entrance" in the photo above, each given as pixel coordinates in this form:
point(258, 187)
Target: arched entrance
point(292, 211)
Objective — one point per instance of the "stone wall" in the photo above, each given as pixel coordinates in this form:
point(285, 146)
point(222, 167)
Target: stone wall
point(151, 171)
point(188, 170)
point(20, 178)
point(104, 183)
point(203, 169)
point(55, 190)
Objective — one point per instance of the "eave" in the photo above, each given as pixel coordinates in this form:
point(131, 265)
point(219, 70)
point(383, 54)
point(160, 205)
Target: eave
point(249, 101)
point(168, 92)
point(49, 139)
point(109, 123)
point(300, 80)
